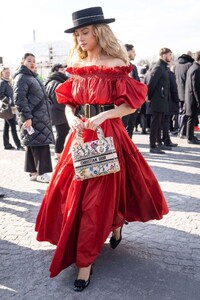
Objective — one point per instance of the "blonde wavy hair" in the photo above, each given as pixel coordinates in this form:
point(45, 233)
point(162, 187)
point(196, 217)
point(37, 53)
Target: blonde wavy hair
point(2, 69)
point(109, 45)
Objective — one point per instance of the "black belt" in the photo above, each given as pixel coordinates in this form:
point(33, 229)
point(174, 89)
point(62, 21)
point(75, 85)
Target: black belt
point(91, 110)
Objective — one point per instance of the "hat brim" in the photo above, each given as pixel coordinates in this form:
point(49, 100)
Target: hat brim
point(104, 21)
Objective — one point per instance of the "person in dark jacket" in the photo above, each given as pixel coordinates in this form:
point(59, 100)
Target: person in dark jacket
point(173, 109)
point(174, 125)
point(34, 119)
point(143, 115)
point(6, 90)
point(58, 117)
point(158, 98)
point(147, 77)
point(129, 121)
point(180, 70)
point(192, 98)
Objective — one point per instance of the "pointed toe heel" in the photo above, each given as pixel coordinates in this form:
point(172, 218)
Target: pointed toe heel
point(80, 284)
point(113, 242)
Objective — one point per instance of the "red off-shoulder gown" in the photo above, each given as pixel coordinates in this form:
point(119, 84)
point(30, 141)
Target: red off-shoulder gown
point(78, 216)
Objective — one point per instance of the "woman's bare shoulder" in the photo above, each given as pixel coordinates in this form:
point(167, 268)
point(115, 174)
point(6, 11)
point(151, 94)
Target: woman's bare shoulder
point(76, 64)
point(119, 62)
point(114, 62)
point(107, 61)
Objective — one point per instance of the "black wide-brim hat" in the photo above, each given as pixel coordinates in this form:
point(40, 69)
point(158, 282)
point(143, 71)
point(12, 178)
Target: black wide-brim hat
point(88, 16)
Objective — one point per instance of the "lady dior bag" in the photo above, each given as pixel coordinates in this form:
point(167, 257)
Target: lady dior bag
point(95, 158)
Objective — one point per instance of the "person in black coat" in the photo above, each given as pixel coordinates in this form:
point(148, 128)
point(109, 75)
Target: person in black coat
point(180, 70)
point(143, 116)
point(192, 98)
point(147, 77)
point(6, 90)
point(158, 98)
point(173, 110)
point(174, 103)
point(34, 119)
point(58, 117)
point(129, 121)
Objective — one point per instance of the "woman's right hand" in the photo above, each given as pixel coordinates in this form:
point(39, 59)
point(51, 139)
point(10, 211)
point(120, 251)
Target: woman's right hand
point(27, 123)
point(75, 123)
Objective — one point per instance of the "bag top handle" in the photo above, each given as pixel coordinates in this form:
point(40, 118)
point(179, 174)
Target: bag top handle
point(100, 134)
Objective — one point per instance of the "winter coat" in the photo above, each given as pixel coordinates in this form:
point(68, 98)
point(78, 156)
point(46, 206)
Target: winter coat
point(32, 103)
point(158, 88)
point(57, 110)
point(173, 95)
point(192, 90)
point(6, 90)
point(180, 70)
point(134, 73)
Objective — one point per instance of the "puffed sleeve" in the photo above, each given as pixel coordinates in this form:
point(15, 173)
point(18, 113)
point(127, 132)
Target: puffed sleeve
point(131, 92)
point(64, 93)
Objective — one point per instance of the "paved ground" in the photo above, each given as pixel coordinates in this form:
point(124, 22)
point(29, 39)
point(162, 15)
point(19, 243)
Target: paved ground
point(158, 260)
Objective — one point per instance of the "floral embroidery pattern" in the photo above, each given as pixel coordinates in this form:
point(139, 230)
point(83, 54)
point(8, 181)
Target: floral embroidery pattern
point(95, 158)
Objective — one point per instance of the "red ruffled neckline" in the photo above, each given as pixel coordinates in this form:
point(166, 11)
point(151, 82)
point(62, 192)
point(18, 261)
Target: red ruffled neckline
point(95, 69)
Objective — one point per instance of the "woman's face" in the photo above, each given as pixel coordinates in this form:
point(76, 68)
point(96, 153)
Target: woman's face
point(86, 39)
point(30, 63)
point(6, 73)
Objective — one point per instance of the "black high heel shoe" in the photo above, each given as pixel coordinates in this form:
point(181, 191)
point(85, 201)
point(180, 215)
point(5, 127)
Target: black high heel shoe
point(80, 284)
point(113, 242)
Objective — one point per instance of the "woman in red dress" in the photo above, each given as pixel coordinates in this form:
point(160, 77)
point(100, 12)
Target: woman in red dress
point(78, 216)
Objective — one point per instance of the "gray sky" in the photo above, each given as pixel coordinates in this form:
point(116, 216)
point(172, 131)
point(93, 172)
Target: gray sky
point(149, 25)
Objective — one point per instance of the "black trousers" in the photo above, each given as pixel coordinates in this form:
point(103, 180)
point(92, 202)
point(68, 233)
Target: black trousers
point(38, 159)
point(129, 122)
point(12, 124)
point(166, 128)
point(182, 118)
point(143, 122)
point(157, 119)
point(191, 122)
point(61, 133)
point(174, 122)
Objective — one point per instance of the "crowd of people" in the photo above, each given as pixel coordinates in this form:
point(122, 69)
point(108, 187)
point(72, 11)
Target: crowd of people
point(175, 120)
point(103, 84)
point(173, 99)
point(171, 107)
point(35, 111)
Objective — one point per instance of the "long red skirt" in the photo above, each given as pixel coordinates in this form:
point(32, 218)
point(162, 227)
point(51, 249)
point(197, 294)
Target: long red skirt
point(78, 216)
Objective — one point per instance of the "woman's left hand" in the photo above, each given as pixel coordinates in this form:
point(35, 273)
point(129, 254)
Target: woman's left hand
point(94, 122)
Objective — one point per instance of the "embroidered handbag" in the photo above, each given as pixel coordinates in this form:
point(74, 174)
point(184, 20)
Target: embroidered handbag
point(5, 109)
point(95, 158)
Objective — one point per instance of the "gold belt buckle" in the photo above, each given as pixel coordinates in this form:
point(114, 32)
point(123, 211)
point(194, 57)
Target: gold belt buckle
point(87, 110)
point(101, 108)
